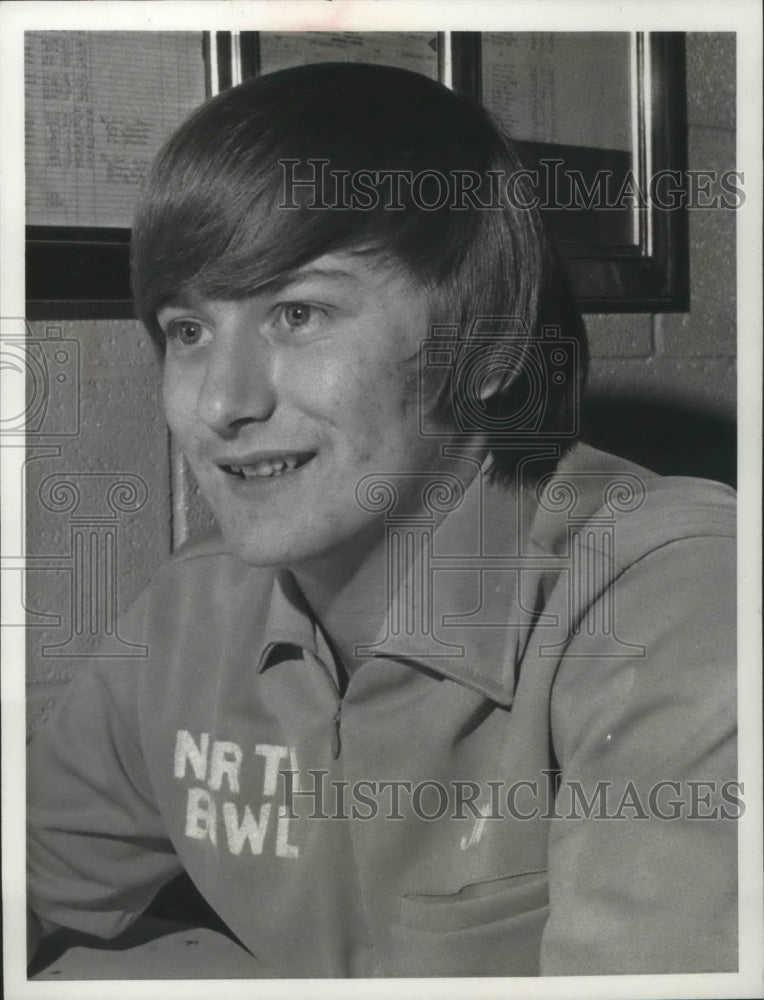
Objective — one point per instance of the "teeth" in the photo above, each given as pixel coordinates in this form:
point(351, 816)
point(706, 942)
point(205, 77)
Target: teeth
point(265, 468)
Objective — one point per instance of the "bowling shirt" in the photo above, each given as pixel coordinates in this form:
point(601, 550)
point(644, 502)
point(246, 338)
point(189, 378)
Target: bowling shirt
point(532, 771)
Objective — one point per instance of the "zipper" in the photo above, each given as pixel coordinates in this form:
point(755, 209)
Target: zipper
point(339, 685)
point(336, 744)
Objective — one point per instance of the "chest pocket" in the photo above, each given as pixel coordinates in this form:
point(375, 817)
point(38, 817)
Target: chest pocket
point(488, 928)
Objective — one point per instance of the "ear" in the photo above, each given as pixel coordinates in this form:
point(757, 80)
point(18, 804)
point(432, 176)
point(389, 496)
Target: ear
point(489, 386)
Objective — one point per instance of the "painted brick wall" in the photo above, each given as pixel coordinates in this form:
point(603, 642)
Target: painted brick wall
point(662, 387)
point(109, 481)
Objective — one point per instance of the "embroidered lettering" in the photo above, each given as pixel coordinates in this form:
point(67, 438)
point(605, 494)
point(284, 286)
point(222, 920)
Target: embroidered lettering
point(201, 815)
point(226, 761)
point(283, 848)
point(187, 752)
point(249, 829)
point(273, 756)
point(222, 767)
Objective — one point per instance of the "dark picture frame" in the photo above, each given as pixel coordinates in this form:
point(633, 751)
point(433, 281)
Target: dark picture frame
point(607, 273)
point(83, 273)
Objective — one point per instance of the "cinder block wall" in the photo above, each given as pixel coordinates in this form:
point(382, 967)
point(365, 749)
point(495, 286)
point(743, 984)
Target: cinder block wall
point(680, 368)
point(652, 376)
point(111, 479)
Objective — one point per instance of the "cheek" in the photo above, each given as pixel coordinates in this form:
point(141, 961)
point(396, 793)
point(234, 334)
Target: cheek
point(397, 395)
point(383, 425)
point(379, 395)
point(353, 393)
point(178, 401)
point(170, 401)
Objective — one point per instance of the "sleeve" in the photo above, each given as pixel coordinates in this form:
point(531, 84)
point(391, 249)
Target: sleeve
point(642, 861)
point(97, 850)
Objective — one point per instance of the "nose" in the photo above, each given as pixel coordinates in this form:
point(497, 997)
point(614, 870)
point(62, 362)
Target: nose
point(238, 387)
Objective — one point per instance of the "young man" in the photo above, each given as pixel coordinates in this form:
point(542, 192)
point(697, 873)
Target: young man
point(449, 694)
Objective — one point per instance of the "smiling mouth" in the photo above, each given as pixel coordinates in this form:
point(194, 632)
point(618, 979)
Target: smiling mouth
point(269, 468)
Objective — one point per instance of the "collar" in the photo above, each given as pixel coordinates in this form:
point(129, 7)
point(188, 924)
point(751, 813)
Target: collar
point(464, 621)
point(288, 620)
point(469, 623)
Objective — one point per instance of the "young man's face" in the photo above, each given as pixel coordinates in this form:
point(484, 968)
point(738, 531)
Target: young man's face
point(284, 400)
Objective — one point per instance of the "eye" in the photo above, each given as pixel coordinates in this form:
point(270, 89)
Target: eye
point(296, 315)
point(185, 331)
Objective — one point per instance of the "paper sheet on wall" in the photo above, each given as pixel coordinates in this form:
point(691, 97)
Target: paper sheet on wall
point(562, 87)
point(98, 106)
point(414, 50)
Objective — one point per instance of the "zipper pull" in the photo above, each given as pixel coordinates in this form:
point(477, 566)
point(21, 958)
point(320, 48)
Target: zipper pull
point(336, 745)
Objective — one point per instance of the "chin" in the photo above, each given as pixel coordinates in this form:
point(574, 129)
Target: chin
point(264, 549)
point(254, 553)
point(275, 548)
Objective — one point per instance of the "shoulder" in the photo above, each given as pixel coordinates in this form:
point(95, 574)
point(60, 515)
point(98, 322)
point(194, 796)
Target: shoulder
point(641, 509)
point(196, 593)
point(652, 605)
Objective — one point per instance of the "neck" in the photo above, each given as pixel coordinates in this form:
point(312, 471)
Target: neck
point(348, 595)
point(350, 590)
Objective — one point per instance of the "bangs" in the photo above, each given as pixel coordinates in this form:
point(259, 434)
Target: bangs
point(226, 246)
point(255, 183)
